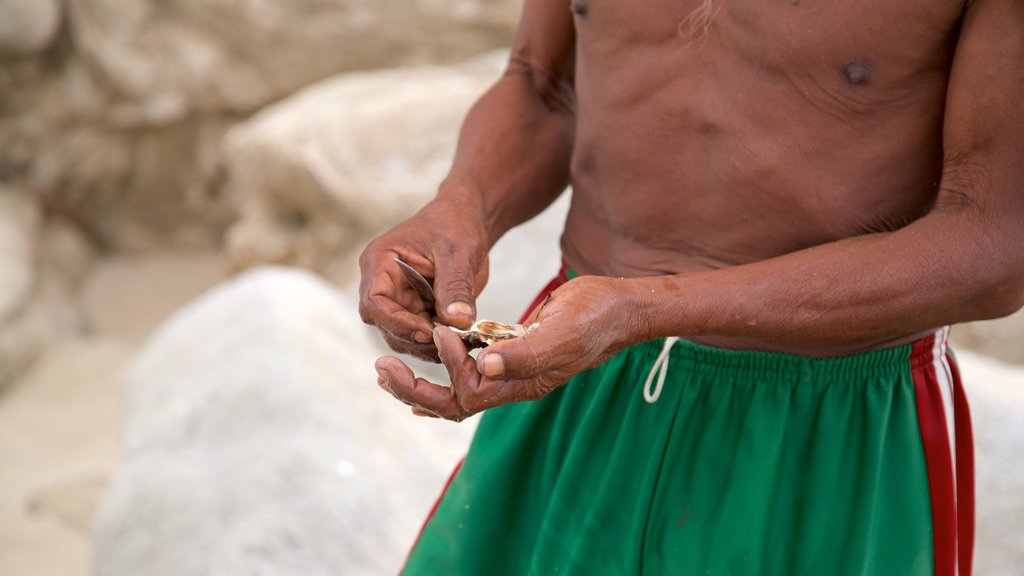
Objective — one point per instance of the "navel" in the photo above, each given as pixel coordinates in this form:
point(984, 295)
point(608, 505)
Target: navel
point(857, 72)
point(578, 7)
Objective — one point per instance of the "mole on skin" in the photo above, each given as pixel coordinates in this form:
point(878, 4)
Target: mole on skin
point(578, 7)
point(857, 72)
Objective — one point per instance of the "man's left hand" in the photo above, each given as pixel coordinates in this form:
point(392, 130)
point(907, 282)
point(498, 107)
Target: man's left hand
point(582, 324)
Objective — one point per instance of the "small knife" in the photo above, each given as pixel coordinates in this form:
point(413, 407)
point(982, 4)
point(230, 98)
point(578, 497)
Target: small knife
point(419, 283)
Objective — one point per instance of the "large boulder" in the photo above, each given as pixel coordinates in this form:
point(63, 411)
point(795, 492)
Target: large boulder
point(168, 60)
point(257, 442)
point(28, 26)
point(344, 159)
point(115, 112)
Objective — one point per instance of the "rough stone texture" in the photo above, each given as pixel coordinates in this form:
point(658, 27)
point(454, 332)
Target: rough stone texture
point(19, 226)
point(40, 265)
point(118, 119)
point(1002, 338)
point(28, 26)
point(169, 60)
point(256, 442)
point(345, 159)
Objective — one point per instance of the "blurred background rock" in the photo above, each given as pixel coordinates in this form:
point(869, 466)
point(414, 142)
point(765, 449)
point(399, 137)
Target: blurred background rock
point(151, 151)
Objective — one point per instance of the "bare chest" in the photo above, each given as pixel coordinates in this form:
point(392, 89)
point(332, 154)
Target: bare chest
point(872, 44)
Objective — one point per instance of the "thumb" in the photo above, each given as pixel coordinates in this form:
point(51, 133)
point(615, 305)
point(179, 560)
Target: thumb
point(516, 359)
point(454, 289)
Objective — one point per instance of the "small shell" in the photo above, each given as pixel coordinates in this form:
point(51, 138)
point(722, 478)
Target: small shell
point(486, 332)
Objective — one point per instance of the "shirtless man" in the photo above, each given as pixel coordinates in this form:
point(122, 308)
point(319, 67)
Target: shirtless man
point(807, 193)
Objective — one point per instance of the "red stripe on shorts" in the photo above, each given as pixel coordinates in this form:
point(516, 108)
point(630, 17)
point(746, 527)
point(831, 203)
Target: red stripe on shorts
point(935, 437)
point(964, 473)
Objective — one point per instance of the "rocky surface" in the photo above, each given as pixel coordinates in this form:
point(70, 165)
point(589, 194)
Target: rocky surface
point(19, 225)
point(168, 61)
point(256, 442)
point(41, 264)
point(259, 434)
point(28, 26)
point(114, 112)
point(59, 421)
point(345, 159)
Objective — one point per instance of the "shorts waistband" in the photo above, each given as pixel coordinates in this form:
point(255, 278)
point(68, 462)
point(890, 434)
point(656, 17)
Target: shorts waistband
point(885, 360)
point(915, 354)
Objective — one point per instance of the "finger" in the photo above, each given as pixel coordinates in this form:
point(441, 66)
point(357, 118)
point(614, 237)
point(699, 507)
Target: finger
point(522, 358)
point(425, 352)
point(386, 300)
point(421, 412)
point(456, 359)
point(472, 392)
point(454, 285)
point(418, 392)
point(384, 383)
point(388, 315)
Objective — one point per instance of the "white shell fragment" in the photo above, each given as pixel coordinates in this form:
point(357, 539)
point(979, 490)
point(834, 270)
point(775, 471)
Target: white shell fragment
point(486, 332)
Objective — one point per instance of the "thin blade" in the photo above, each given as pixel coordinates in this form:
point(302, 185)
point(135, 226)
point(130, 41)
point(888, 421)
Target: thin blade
point(418, 282)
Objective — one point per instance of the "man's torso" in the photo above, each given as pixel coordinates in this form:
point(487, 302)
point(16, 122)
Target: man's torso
point(776, 127)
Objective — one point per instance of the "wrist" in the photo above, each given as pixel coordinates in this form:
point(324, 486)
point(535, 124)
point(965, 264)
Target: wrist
point(666, 306)
point(461, 194)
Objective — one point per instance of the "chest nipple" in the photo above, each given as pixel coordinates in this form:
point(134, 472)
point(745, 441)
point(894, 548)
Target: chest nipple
point(578, 7)
point(857, 72)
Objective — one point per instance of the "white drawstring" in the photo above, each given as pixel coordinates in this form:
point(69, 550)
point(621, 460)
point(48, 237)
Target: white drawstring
point(661, 368)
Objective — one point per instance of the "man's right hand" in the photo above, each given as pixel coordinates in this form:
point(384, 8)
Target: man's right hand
point(445, 242)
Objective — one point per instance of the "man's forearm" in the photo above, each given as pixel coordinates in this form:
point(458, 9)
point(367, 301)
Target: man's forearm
point(513, 155)
point(939, 270)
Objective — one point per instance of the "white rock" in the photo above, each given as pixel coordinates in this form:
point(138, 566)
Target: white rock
point(168, 60)
point(122, 124)
point(345, 159)
point(257, 442)
point(28, 26)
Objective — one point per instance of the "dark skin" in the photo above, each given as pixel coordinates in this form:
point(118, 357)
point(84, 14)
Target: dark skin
point(809, 177)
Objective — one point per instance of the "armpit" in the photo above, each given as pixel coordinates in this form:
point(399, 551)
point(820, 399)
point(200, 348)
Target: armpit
point(555, 91)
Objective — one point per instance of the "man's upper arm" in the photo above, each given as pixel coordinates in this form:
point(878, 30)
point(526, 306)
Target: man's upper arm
point(982, 185)
point(983, 136)
point(543, 50)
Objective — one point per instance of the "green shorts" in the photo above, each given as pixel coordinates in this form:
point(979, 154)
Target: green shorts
point(747, 463)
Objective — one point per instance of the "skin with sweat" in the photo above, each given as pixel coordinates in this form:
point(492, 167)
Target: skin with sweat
point(819, 178)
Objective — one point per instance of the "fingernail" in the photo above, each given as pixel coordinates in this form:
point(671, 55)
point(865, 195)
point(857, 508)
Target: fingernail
point(437, 336)
point(422, 337)
point(493, 365)
point(459, 309)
